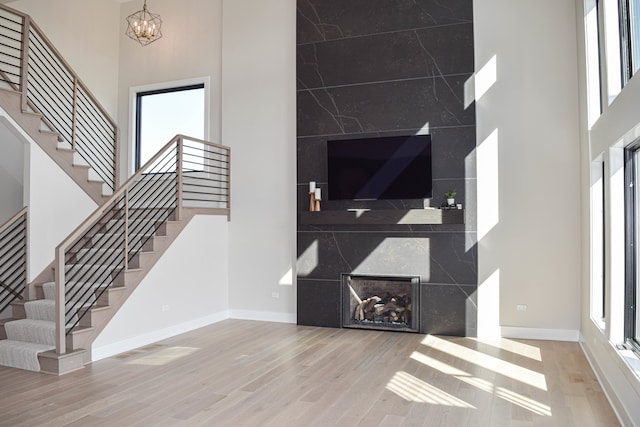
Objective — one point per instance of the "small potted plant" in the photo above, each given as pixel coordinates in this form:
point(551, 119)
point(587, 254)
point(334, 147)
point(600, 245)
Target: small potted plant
point(451, 197)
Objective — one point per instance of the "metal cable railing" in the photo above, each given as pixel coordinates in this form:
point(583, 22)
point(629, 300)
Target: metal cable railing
point(31, 65)
point(13, 259)
point(187, 172)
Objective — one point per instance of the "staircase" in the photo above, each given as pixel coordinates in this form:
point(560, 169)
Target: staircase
point(56, 318)
point(105, 258)
point(47, 99)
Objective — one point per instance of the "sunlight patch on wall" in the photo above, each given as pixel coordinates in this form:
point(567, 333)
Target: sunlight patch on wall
point(499, 366)
point(488, 296)
point(488, 184)
point(287, 278)
point(413, 389)
point(481, 82)
point(308, 261)
point(424, 130)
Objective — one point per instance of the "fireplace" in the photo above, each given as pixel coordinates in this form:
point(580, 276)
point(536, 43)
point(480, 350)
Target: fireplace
point(389, 303)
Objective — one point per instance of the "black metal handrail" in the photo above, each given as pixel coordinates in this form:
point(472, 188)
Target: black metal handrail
point(186, 172)
point(31, 65)
point(13, 259)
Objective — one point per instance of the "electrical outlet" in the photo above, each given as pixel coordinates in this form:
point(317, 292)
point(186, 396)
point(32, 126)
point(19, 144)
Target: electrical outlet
point(521, 307)
point(165, 307)
point(275, 295)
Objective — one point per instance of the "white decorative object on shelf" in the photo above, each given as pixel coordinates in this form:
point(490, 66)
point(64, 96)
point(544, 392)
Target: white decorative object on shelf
point(318, 198)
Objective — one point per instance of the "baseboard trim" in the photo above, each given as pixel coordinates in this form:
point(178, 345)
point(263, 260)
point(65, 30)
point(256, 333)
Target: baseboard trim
point(98, 353)
point(540, 334)
point(264, 316)
point(605, 384)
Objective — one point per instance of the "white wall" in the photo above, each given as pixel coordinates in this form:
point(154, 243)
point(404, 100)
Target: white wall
point(190, 48)
point(56, 204)
point(528, 166)
point(172, 300)
point(84, 32)
point(11, 173)
point(258, 123)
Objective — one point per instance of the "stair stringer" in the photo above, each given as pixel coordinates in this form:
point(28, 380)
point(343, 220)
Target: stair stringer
point(31, 123)
point(82, 336)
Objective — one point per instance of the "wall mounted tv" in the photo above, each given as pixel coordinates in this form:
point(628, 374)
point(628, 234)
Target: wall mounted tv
point(394, 167)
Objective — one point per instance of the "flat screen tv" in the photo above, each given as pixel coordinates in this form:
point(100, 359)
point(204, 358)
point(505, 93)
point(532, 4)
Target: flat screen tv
point(394, 167)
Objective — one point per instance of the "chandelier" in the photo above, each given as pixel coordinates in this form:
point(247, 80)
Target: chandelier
point(144, 26)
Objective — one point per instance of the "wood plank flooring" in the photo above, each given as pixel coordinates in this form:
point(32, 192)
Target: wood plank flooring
point(243, 373)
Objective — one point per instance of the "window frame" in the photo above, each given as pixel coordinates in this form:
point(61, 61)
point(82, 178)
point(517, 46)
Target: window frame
point(138, 113)
point(629, 63)
point(632, 223)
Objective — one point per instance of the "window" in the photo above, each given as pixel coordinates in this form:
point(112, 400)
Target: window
point(612, 28)
point(629, 38)
point(632, 220)
point(594, 87)
point(598, 305)
point(634, 20)
point(163, 113)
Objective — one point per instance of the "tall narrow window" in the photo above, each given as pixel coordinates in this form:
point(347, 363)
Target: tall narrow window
point(632, 219)
point(597, 244)
point(634, 17)
point(162, 114)
point(629, 38)
point(594, 88)
point(612, 48)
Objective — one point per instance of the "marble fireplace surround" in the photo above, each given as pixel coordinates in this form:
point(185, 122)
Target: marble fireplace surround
point(385, 68)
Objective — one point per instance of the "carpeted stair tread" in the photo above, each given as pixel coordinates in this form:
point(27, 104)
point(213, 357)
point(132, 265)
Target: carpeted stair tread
point(22, 355)
point(42, 309)
point(32, 331)
point(45, 309)
point(49, 290)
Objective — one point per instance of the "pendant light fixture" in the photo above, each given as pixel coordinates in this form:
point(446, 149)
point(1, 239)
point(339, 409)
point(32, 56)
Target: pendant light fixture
point(144, 26)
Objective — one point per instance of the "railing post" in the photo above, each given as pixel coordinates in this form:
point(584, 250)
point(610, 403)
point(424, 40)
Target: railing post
point(116, 159)
point(179, 179)
point(29, 294)
point(24, 62)
point(61, 337)
point(74, 110)
point(126, 228)
point(229, 183)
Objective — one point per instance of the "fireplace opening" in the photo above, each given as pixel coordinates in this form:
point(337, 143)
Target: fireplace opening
point(381, 302)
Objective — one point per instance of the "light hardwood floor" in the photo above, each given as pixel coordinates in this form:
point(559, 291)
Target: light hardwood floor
point(243, 373)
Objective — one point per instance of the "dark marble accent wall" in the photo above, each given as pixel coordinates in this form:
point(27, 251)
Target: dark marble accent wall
point(381, 68)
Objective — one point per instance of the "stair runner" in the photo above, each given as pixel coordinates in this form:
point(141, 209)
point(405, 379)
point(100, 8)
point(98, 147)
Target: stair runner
point(26, 338)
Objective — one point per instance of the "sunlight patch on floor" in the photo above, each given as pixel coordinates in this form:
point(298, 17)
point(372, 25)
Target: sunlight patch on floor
point(523, 401)
point(413, 389)
point(484, 385)
point(521, 349)
point(502, 367)
point(163, 356)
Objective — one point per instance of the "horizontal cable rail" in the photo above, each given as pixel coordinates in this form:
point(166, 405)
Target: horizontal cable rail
point(13, 259)
point(186, 172)
point(31, 65)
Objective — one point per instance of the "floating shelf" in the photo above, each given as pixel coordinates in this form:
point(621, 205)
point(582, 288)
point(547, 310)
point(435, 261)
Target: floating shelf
point(386, 217)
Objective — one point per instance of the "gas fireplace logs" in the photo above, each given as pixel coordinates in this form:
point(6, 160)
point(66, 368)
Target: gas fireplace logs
point(388, 308)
